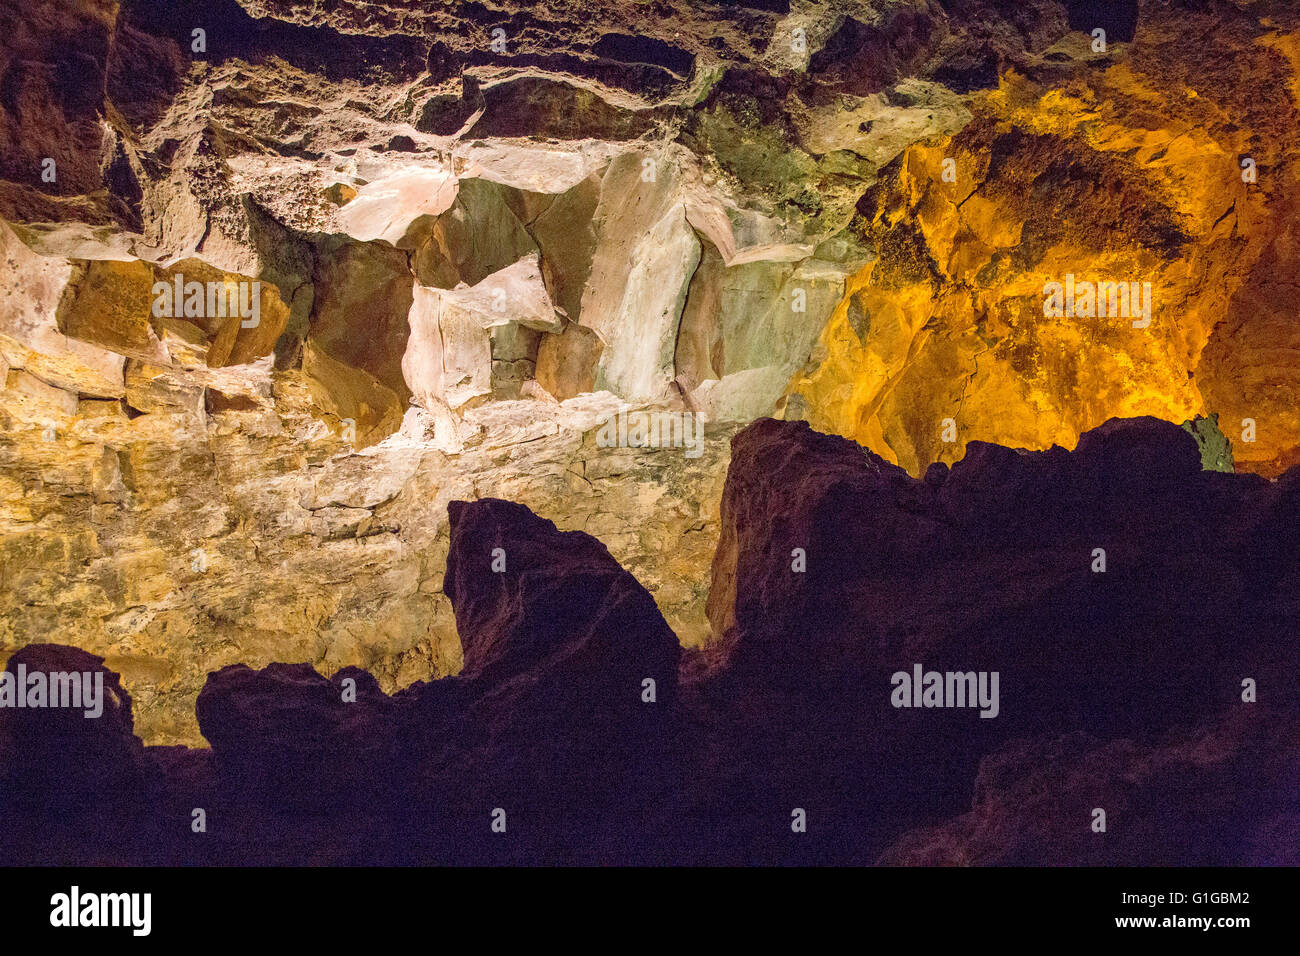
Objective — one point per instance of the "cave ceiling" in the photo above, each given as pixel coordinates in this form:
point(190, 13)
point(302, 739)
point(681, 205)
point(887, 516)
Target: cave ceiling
point(474, 232)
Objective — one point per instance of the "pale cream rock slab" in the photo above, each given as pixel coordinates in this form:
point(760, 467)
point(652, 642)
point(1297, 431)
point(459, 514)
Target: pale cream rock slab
point(32, 286)
point(640, 330)
point(385, 208)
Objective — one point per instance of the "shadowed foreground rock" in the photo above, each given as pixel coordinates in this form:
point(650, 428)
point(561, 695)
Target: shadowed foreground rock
point(563, 652)
point(58, 756)
point(1117, 587)
point(992, 567)
point(548, 721)
point(1130, 690)
point(1215, 795)
point(284, 736)
point(75, 787)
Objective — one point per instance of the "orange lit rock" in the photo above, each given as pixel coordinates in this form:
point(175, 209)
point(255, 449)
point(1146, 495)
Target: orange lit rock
point(1127, 171)
point(181, 493)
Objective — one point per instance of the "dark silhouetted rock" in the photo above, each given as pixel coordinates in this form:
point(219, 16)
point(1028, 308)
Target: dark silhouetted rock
point(287, 736)
point(559, 645)
point(988, 568)
point(1211, 796)
point(74, 789)
point(1160, 690)
point(57, 756)
point(992, 568)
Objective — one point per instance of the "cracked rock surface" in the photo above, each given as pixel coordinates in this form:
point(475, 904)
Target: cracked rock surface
point(477, 232)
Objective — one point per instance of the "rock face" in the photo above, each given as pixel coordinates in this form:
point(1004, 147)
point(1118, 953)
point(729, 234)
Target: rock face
point(996, 566)
point(476, 233)
point(1178, 801)
point(1123, 522)
point(296, 548)
point(281, 281)
point(573, 670)
point(1042, 184)
point(84, 749)
point(578, 731)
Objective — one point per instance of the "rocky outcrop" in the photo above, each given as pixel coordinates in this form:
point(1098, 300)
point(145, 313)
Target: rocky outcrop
point(564, 709)
point(1096, 570)
point(944, 339)
point(479, 233)
point(571, 669)
point(578, 731)
point(1220, 795)
point(287, 738)
point(76, 785)
point(72, 737)
point(1066, 574)
point(533, 604)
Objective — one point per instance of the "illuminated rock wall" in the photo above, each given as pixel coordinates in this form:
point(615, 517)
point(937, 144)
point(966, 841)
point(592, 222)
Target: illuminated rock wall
point(472, 251)
point(1167, 161)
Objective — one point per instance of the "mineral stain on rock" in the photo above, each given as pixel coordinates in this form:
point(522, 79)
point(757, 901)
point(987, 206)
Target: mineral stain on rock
point(480, 234)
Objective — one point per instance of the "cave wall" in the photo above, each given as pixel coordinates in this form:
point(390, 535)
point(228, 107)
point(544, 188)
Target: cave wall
point(473, 251)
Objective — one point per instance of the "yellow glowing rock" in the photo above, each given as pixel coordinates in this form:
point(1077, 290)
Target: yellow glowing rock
point(131, 307)
point(353, 397)
point(1125, 175)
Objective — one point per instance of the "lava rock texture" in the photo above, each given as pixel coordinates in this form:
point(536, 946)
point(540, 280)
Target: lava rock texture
point(579, 726)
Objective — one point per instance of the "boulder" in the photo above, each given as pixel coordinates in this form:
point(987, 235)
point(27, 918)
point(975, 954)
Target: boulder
point(572, 670)
point(80, 757)
point(286, 737)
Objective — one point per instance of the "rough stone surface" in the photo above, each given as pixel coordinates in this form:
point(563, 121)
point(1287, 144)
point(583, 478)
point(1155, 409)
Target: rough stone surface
point(248, 530)
point(471, 255)
point(1107, 700)
point(1045, 181)
point(1174, 802)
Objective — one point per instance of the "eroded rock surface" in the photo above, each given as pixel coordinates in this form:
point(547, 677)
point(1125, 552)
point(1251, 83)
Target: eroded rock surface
point(479, 232)
point(836, 572)
point(1046, 181)
point(1121, 690)
point(243, 530)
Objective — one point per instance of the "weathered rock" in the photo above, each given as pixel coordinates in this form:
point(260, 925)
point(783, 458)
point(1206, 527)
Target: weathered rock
point(836, 572)
point(31, 293)
point(353, 397)
point(1176, 802)
point(646, 253)
point(387, 207)
point(31, 400)
point(181, 493)
point(1134, 489)
point(79, 756)
point(362, 297)
point(121, 306)
point(479, 235)
point(566, 361)
point(949, 323)
point(746, 329)
point(288, 738)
